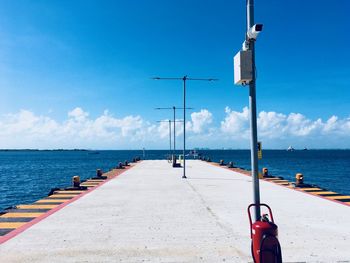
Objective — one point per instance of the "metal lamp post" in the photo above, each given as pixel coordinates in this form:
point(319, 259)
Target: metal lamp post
point(252, 106)
point(264, 227)
point(244, 69)
point(174, 121)
point(184, 79)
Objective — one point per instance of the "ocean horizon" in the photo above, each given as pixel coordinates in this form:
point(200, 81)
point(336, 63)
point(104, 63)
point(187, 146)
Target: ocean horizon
point(178, 150)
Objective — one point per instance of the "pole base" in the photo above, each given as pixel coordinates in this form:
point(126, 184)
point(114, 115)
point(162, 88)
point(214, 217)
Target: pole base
point(184, 176)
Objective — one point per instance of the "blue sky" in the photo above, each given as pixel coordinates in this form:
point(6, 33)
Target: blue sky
point(60, 56)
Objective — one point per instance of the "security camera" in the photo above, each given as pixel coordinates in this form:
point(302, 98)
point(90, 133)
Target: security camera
point(254, 31)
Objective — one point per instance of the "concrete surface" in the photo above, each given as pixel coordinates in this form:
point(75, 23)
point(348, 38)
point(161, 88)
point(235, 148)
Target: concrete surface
point(151, 214)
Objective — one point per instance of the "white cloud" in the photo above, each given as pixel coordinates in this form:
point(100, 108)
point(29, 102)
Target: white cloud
point(200, 121)
point(26, 122)
point(163, 129)
point(271, 124)
point(298, 125)
point(279, 129)
point(78, 114)
point(236, 123)
point(25, 129)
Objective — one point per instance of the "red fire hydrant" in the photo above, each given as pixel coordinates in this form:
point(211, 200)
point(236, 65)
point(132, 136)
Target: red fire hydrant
point(264, 234)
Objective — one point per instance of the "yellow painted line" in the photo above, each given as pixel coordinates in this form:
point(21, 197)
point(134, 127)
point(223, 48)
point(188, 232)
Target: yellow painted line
point(322, 193)
point(309, 189)
point(52, 201)
point(12, 215)
point(36, 206)
point(11, 224)
point(87, 182)
point(272, 179)
point(283, 183)
point(339, 197)
point(95, 180)
point(55, 196)
point(69, 192)
point(89, 185)
point(280, 181)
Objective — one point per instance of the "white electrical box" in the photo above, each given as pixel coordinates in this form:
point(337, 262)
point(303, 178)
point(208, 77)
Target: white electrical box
point(243, 69)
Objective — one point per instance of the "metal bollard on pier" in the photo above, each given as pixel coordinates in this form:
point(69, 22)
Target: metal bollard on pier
point(76, 181)
point(299, 179)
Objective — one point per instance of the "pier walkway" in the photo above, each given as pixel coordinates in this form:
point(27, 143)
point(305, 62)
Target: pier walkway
point(150, 214)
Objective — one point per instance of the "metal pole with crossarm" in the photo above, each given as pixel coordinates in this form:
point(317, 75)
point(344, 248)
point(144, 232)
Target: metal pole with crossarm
point(184, 79)
point(174, 121)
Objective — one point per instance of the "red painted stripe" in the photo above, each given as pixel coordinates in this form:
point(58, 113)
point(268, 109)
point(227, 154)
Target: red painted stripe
point(19, 230)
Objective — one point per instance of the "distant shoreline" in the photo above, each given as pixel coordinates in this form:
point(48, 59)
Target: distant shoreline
point(198, 149)
point(44, 150)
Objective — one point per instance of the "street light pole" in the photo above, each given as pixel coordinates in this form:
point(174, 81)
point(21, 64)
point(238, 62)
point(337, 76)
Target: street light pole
point(253, 119)
point(174, 120)
point(184, 117)
point(184, 79)
point(244, 68)
point(174, 148)
point(169, 138)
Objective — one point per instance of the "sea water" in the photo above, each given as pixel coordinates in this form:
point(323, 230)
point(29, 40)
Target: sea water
point(26, 176)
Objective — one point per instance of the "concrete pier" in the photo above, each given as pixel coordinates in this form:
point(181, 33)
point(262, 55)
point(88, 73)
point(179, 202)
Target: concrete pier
point(150, 214)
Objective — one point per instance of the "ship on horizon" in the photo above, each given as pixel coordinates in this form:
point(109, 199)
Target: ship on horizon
point(290, 149)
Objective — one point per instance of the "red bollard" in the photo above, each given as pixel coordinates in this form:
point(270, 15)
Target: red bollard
point(264, 234)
